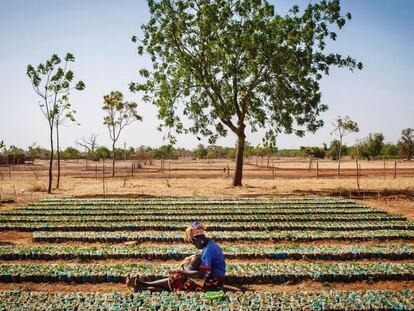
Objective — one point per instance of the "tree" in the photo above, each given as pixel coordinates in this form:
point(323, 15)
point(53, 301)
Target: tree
point(102, 153)
point(65, 113)
point(51, 81)
point(406, 143)
point(334, 147)
point(229, 64)
point(343, 126)
point(120, 113)
point(270, 149)
point(313, 152)
point(89, 144)
point(200, 151)
point(389, 150)
point(34, 151)
point(163, 152)
point(70, 153)
point(2, 145)
point(375, 143)
point(371, 146)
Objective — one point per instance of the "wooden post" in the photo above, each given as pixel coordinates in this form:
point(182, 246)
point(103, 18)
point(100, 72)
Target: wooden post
point(384, 167)
point(317, 169)
point(395, 169)
point(103, 178)
point(132, 170)
point(357, 172)
point(10, 169)
point(169, 170)
point(273, 171)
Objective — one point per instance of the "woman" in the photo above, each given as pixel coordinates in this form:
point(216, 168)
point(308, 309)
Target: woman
point(208, 277)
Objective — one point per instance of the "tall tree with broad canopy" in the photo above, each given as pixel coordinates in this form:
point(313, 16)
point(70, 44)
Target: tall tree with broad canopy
point(226, 64)
point(343, 126)
point(119, 114)
point(53, 81)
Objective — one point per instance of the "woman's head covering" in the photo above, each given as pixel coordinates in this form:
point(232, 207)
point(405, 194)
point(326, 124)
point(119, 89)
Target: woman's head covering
point(194, 230)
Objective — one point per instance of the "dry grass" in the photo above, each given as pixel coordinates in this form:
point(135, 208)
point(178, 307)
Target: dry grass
point(198, 187)
point(37, 187)
point(200, 178)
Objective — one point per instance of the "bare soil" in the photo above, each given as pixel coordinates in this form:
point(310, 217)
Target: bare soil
point(302, 286)
point(209, 178)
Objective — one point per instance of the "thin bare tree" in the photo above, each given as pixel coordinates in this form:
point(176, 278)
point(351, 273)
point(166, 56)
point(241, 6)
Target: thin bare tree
point(343, 126)
point(64, 115)
point(120, 113)
point(51, 81)
point(89, 143)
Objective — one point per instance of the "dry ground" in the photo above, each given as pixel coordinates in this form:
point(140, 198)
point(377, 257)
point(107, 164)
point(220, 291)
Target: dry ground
point(207, 178)
point(394, 195)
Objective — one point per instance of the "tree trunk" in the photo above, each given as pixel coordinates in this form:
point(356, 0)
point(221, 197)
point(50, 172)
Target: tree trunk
point(113, 159)
point(58, 156)
point(49, 188)
point(339, 157)
point(238, 174)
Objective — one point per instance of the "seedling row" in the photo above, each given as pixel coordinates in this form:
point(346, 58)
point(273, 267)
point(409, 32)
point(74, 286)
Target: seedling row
point(204, 218)
point(156, 236)
point(171, 201)
point(230, 226)
point(402, 300)
point(236, 273)
point(192, 212)
point(56, 252)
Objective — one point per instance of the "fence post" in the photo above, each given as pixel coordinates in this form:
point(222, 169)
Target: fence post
point(384, 167)
point(395, 169)
point(10, 169)
point(132, 170)
point(273, 171)
point(103, 178)
point(317, 169)
point(357, 172)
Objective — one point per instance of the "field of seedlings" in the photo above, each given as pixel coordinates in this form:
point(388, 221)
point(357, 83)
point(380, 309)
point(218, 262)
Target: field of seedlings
point(290, 253)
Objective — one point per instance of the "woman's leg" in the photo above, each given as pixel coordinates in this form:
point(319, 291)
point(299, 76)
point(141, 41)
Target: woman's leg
point(163, 283)
point(134, 283)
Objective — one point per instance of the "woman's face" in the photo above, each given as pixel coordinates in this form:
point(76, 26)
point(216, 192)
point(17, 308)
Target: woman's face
point(199, 243)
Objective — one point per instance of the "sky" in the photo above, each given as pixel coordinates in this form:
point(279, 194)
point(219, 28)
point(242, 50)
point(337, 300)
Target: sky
point(98, 32)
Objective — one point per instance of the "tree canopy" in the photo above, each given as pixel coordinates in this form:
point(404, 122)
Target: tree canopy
point(225, 64)
point(406, 143)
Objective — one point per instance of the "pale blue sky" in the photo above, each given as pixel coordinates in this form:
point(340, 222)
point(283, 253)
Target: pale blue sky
point(380, 98)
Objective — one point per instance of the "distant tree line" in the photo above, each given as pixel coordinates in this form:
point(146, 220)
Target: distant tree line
point(371, 147)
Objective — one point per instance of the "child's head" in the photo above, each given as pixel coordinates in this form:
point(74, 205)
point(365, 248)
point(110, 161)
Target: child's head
point(195, 262)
